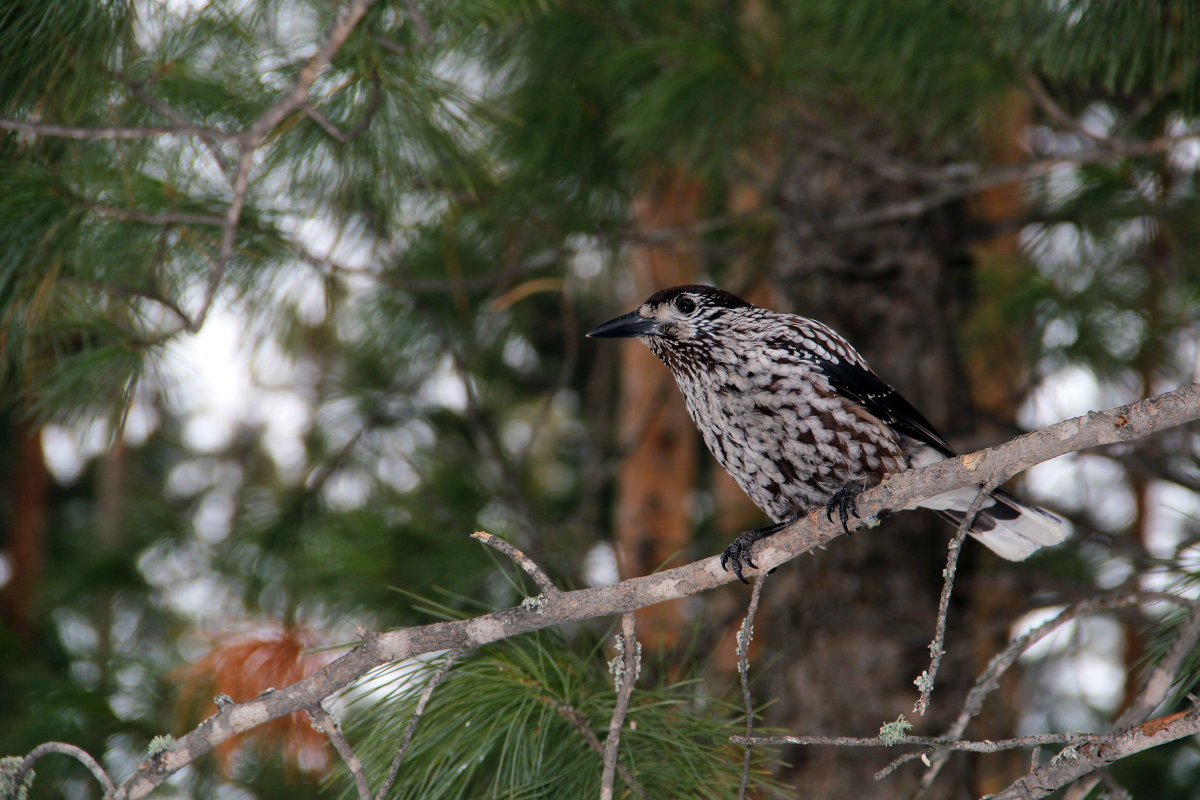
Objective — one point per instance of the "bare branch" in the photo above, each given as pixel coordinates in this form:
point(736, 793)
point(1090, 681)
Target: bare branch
point(937, 649)
point(1000, 176)
point(158, 106)
point(326, 724)
point(806, 535)
point(422, 26)
point(98, 134)
point(1079, 760)
point(345, 137)
point(989, 680)
point(170, 218)
point(418, 712)
point(1160, 681)
point(79, 754)
point(625, 671)
point(1041, 96)
point(927, 742)
point(523, 561)
point(576, 717)
point(1153, 693)
point(252, 139)
point(744, 636)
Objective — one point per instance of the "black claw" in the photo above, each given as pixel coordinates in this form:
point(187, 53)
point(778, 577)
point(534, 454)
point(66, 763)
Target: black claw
point(737, 553)
point(845, 502)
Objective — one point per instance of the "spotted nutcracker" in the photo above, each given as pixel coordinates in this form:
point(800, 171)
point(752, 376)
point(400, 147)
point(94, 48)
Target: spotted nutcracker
point(796, 417)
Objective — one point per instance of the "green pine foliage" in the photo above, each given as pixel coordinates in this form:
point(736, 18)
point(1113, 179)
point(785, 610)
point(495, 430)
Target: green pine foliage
point(505, 723)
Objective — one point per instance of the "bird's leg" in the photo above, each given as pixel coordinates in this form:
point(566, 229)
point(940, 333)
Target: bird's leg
point(738, 552)
point(845, 502)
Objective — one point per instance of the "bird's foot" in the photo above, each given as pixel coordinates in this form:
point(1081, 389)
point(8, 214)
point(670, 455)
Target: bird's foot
point(845, 503)
point(737, 553)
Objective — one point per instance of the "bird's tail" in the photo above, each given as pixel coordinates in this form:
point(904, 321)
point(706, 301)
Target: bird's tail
point(1009, 528)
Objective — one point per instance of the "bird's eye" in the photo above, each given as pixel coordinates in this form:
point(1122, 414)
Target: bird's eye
point(685, 305)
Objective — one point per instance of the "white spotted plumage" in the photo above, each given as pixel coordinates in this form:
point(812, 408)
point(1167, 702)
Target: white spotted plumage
point(793, 413)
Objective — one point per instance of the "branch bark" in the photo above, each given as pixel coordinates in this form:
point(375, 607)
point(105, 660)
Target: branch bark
point(806, 535)
point(1077, 761)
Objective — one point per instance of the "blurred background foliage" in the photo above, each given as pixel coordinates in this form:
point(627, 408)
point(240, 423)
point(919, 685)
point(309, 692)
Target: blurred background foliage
point(996, 201)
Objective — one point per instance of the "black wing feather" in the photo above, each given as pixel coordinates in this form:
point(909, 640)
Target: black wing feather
point(882, 401)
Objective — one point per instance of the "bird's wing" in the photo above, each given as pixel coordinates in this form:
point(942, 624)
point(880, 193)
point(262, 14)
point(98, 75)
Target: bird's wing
point(882, 401)
point(850, 376)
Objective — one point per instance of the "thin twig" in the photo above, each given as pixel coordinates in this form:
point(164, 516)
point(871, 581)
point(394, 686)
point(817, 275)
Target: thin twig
point(989, 680)
point(625, 671)
point(324, 722)
point(925, 681)
point(129, 291)
point(521, 560)
point(422, 26)
point(926, 742)
point(169, 218)
point(1041, 96)
point(74, 132)
point(1153, 692)
point(744, 636)
point(422, 701)
point(1159, 682)
point(78, 753)
point(249, 142)
point(577, 718)
point(139, 91)
point(999, 176)
point(345, 137)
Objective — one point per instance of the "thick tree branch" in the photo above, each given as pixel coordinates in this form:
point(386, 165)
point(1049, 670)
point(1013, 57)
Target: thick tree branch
point(1077, 761)
point(806, 535)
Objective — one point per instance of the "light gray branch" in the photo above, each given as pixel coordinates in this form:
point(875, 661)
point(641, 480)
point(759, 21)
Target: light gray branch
point(1077, 761)
point(937, 647)
point(1153, 692)
point(807, 535)
point(98, 134)
point(523, 561)
point(324, 722)
point(626, 675)
point(249, 142)
point(63, 748)
point(418, 712)
point(989, 680)
point(744, 636)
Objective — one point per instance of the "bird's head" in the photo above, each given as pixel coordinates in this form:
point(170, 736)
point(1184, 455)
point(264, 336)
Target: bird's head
point(673, 318)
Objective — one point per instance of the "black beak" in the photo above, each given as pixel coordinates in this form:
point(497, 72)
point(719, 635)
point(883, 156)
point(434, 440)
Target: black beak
point(625, 326)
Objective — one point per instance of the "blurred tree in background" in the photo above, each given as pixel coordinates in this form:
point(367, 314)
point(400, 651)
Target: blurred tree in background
point(268, 359)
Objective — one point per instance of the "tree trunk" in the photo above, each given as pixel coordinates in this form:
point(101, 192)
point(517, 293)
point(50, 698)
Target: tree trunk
point(654, 527)
point(851, 626)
